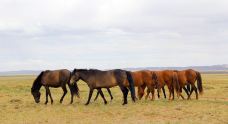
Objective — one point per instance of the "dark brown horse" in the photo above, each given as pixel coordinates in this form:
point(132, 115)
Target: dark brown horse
point(142, 79)
point(97, 79)
point(189, 77)
point(166, 77)
point(57, 78)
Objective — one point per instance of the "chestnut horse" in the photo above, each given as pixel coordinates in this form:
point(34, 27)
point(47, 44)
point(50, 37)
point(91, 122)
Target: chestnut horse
point(57, 78)
point(143, 79)
point(166, 77)
point(97, 79)
point(189, 77)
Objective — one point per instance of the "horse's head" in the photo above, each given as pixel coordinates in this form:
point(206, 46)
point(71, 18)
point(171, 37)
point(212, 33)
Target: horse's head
point(36, 95)
point(74, 76)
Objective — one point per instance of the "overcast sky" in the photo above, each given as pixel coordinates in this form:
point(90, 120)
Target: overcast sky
point(105, 34)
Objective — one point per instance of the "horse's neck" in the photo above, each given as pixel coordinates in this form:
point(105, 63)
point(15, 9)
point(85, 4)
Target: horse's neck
point(85, 76)
point(36, 85)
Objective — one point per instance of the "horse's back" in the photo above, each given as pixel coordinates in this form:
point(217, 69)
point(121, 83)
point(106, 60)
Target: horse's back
point(54, 78)
point(141, 77)
point(103, 79)
point(191, 75)
point(137, 77)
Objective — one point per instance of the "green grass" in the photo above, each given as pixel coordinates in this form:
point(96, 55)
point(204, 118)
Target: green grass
point(18, 107)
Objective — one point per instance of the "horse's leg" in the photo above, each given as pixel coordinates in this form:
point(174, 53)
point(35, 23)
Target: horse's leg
point(102, 95)
point(148, 93)
point(189, 97)
point(182, 96)
point(64, 93)
point(49, 92)
point(46, 96)
point(96, 96)
point(173, 92)
point(163, 89)
point(125, 97)
point(158, 93)
point(110, 93)
point(196, 92)
point(170, 92)
point(125, 93)
point(90, 95)
point(72, 94)
point(186, 91)
point(152, 92)
point(141, 92)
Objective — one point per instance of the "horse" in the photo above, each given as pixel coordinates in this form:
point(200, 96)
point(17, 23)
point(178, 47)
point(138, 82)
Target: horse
point(55, 78)
point(166, 77)
point(97, 79)
point(189, 77)
point(143, 79)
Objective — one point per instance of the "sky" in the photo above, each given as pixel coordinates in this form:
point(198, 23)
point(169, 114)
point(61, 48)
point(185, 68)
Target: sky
point(107, 34)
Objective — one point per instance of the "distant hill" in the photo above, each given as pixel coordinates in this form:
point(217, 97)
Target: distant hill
point(20, 72)
point(205, 69)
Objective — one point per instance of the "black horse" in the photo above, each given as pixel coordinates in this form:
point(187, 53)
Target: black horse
point(97, 79)
point(57, 78)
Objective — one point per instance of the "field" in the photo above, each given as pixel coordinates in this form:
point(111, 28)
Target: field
point(17, 105)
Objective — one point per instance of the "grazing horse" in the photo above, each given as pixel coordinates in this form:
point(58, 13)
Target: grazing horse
point(166, 77)
point(57, 78)
point(97, 79)
point(189, 77)
point(143, 79)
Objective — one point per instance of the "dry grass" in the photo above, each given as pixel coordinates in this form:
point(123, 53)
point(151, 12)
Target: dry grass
point(18, 107)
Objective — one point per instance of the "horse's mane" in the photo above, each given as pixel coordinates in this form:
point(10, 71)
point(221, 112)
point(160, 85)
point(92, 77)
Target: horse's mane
point(88, 70)
point(36, 84)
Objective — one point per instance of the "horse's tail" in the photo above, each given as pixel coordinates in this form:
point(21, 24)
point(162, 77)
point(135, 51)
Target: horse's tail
point(37, 83)
point(157, 84)
point(74, 88)
point(176, 84)
point(131, 85)
point(199, 82)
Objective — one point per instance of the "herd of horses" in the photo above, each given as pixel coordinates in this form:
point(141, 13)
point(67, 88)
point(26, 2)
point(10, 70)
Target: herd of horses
point(126, 80)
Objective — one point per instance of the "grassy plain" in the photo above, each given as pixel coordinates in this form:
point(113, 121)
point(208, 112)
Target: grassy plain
point(18, 107)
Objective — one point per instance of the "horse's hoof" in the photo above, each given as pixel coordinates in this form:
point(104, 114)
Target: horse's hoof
point(46, 103)
point(105, 102)
point(61, 102)
point(124, 103)
point(87, 104)
point(51, 102)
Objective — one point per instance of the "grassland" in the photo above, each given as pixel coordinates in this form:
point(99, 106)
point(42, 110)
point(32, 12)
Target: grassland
point(18, 107)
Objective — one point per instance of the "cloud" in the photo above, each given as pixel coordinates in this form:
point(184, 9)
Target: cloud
point(50, 34)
